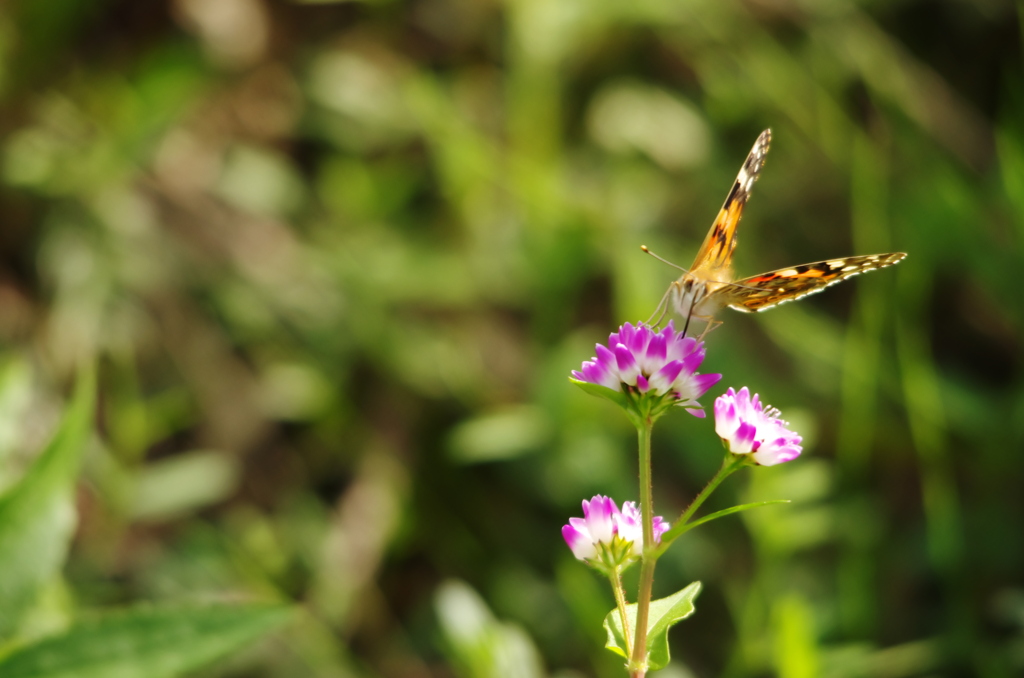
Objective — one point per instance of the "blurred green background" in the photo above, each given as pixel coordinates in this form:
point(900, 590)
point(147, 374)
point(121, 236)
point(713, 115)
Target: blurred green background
point(336, 261)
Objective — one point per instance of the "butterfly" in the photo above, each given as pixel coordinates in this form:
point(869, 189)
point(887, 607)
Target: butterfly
point(708, 284)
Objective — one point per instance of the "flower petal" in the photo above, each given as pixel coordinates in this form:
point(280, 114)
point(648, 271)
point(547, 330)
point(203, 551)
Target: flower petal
point(657, 349)
point(726, 420)
point(604, 356)
point(628, 367)
point(581, 545)
point(599, 513)
point(661, 381)
point(697, 412)
point(743, 440)
point(702, 383)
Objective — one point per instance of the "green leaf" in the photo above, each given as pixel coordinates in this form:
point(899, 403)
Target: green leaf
point(617, 397)
point(144, 642)
point(37, 515)
point(661, 616)
point(681, 529)
point(734, 509)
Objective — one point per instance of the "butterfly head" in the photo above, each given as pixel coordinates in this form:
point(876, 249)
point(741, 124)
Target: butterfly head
point(691, 297)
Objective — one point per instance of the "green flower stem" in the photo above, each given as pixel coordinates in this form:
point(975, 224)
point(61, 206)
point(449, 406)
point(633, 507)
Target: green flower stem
point(730, 465)
point(638, 658)
point(620, 601)
point(638, 661)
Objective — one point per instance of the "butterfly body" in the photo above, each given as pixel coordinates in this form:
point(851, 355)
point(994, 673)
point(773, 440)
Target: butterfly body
point(709, 285)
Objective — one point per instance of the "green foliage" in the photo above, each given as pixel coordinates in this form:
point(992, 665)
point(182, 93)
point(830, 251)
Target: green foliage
point(617, 397)
point(662, 615)
point(479, 644)
point(334, 262)
point(144, 642)
point(795, 647)
point(37, 515)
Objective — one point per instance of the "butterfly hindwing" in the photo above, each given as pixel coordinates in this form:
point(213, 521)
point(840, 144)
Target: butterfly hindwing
point(716, 252)
point(766, 290)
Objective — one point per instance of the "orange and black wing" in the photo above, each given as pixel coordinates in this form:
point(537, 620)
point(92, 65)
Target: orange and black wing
point(715, 254)
point(766, 290)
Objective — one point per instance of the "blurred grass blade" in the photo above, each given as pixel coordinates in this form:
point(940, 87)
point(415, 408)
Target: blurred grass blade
point(478, 643)
point(37, 514)
point(144, 643)
point(796, 650)
point(498, 436)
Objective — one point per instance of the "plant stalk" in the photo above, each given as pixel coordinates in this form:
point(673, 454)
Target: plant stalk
point(638, 658)
point(730, 464)
point(620, 602)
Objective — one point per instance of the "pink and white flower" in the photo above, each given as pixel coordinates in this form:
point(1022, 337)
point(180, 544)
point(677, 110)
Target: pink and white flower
point(629, 525)
point(607, 537)
point(649, 362)
point(746, 426)
point(597, 526)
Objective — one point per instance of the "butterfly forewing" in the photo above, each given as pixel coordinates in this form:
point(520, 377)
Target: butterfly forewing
point(766, 290)
point(715, 255)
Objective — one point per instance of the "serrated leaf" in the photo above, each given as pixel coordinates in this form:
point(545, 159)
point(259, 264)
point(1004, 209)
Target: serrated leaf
point(37, 514)
point(662, 615)
point(144, 642)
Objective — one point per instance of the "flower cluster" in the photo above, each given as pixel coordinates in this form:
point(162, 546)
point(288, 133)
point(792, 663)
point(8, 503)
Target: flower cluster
point(641, 360)
point(746, 426)
point(606, 537)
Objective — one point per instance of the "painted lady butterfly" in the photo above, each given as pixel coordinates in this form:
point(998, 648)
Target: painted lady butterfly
point(709, 285)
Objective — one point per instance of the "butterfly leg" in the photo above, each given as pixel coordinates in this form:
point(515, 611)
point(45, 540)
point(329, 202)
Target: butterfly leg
point(660, 310)
point(711, 325)
point(661, 317)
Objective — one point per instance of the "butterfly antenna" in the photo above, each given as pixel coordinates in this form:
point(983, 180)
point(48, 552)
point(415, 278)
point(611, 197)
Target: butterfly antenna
point(663, 260)
point(745, 287)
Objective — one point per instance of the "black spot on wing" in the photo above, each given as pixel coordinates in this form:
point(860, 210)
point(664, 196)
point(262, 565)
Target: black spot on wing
point(755, 160)
point(737, 194)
